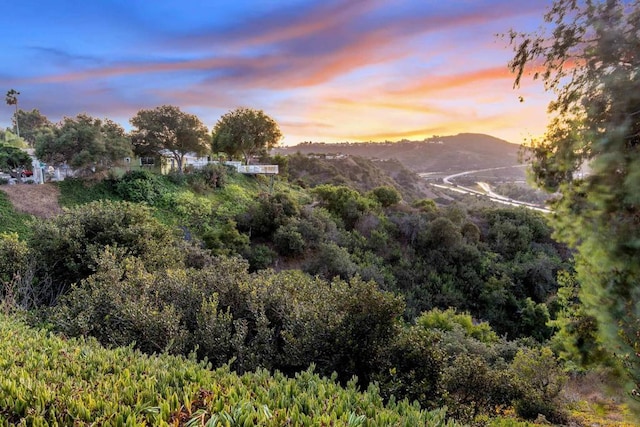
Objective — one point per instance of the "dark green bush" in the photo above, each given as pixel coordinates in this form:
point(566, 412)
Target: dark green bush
point(215, 175)
point(411, 367)
point(386, 195)
point(269, 213)
point(66, 248)
point(259, 256)
point(288, 241)
point(343, 202)
point(539, 379)
point(331, 261)
point(141, 186)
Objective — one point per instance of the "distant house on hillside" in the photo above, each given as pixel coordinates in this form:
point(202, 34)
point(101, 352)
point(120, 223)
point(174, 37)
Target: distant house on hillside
point(165, 162)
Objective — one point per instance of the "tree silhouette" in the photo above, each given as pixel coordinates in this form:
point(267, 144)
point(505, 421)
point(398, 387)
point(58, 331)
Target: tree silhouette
point(12, 99)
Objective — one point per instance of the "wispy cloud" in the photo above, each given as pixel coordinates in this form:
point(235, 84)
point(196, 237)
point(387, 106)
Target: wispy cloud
point(331, 69)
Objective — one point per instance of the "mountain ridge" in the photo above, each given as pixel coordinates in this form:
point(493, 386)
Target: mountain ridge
point(447, 154)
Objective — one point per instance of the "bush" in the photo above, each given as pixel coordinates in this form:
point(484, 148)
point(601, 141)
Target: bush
point(344, 202)
point(283, 321)
point(331, 261)
point(449, 320)
point(16, 272)
point(225, 239)
point(141, 186)
point(386, 195)
point(288, 241)
point(47, 380)
point(259, 257)
point(66, 248)
point(215, 175)
point(271, 212)
point(411, 367)
point(539, 379)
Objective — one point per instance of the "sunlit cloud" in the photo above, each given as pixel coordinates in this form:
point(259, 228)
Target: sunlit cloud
point(325, 70)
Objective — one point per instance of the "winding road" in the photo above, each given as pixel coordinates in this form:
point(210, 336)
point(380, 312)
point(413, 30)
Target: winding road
point(486, 189)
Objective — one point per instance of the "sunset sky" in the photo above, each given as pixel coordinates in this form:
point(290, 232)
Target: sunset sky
point(325, 70)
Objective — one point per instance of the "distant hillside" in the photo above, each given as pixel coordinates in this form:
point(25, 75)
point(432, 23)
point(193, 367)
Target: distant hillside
point(362, 174)
point(446, 154)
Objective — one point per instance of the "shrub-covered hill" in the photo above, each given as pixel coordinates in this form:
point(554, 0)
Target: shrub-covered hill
point(360, 173)
point(47, 380)
point(351, 282)
point(450, 154)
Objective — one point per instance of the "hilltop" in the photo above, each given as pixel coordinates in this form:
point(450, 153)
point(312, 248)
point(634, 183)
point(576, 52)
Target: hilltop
point(446, 154)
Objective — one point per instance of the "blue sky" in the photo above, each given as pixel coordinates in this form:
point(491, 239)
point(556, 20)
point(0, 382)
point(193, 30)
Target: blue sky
point(325, 70)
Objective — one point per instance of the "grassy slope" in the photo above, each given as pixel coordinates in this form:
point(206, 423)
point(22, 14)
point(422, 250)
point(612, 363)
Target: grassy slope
point(12, 221)
point(47, 379)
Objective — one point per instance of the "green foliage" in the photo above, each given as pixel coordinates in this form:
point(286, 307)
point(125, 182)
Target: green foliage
point(14, 271)
point(331, 261)
point(386, 195)
point(13, 158)
point(590, 155)
point(47, 380)
point(212, 175)
point(288, 241)
point(449, 319)
point(66, 247)
point(425, 205)
point(540, 380)
point(245, 132)
point(281, 320)
point(345, 203)
point(86, 144)
point(141, 186)
point(31, 124)
point(259, 257)
point(74, 191)
point(269, 213)
point(168, 129)
point(225, 239)
point(12, 221)
point(473, 387)
point(576, 339)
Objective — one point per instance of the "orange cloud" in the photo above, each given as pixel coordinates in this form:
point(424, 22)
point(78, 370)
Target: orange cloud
point(430, 84)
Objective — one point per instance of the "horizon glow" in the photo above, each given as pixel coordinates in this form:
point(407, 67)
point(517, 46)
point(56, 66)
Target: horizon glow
point(326, 71)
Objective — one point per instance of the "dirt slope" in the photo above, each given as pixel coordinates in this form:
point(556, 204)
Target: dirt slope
point(34, 199)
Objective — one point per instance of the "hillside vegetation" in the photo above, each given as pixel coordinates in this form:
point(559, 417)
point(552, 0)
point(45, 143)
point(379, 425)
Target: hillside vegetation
point(442, 305)
point(446, 154)
point(50, 381)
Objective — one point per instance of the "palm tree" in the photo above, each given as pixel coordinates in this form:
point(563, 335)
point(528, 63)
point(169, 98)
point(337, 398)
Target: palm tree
point(12, 99)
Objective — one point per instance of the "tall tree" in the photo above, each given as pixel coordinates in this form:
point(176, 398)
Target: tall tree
point(245, 131)
point(13, 158)
point(86, 144)
point(589, 56)
point(32, 122)
point(12, 99)
point(167, 129)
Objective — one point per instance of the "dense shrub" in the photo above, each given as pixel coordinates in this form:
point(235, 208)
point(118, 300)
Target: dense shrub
point(449, 320)
point(331, 261)
point(141, 186)
point(288, 241)
point(259, 256)
point(214, 175)
point(47, 380)
point(386, 195)
point(66, 247)
point(269, 213)
point(343, 202)
point(284, 320)
point(16, 272)
point(412, 366)
point(540, 379)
